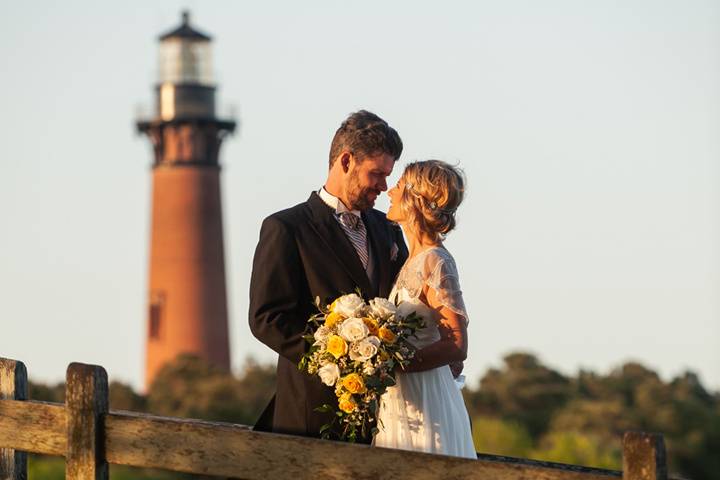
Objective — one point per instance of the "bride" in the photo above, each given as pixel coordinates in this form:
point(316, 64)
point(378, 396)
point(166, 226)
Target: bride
point(425, 411)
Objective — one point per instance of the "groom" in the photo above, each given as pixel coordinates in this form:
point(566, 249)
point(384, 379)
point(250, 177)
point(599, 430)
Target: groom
point(325, 247)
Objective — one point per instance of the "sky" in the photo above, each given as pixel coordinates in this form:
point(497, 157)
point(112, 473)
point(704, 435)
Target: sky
point(588, 132)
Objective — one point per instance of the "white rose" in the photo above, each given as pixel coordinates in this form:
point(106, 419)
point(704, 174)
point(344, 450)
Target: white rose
point(405, 309)
point(321, 335)
point(329, 374)
point(368, 369)
point(353, 329)
point(353, 352)
point(348, 305)
point(382, 307)
point(364, 350)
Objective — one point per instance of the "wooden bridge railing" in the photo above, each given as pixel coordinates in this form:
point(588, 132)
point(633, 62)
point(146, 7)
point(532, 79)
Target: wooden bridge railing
point(90, 435)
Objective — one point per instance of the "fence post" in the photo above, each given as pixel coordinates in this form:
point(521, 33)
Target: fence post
point(644, 456)
point(13, 386)
point(86, 401)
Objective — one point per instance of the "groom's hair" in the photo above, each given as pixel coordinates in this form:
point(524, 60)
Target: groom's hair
point(365, 134)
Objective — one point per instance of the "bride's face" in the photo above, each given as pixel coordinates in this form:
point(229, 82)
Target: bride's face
point(395, 213)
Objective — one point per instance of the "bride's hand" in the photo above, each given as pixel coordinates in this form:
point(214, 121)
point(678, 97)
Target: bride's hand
point(456, 368)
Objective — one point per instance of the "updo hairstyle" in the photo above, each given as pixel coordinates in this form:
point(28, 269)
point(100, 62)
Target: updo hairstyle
point(433, 192)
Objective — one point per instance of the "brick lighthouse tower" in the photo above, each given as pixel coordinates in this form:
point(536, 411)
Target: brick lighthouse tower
point(187, 304)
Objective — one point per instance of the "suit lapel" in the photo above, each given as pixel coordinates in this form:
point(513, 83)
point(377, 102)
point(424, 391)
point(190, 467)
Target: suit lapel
point(380, 242)
point(338, 245)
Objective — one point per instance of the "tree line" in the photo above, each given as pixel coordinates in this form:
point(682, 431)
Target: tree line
point(522, 409)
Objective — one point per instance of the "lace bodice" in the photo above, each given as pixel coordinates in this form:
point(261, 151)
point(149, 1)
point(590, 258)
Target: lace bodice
point(436, 268)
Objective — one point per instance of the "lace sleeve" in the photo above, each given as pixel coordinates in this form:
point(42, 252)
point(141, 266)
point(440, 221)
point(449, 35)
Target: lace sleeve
point(443, 278)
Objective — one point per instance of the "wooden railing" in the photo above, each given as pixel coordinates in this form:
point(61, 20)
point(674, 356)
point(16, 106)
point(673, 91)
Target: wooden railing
point(90, 436)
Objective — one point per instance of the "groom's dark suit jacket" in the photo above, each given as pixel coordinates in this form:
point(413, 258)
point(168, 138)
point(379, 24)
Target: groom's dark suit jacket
point(303, 253)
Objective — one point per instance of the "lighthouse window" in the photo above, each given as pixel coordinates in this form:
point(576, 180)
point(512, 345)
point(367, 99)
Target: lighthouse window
point(185, 61)
point(155, 316)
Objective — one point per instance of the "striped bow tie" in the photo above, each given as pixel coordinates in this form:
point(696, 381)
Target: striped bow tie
point(357, 234)
point(350, 220)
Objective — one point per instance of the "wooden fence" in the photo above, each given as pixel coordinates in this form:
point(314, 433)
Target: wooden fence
point(90, 436)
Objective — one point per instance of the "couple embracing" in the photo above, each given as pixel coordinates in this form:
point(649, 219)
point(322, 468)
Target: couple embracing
point(335, 243)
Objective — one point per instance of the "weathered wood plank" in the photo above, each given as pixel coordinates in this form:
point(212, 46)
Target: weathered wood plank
point(30, 426)
point(86, 400)
point(605, 473)
point(13, 386)
point(142, 440)
point(234, 450)
point(89, 437)
point(644, 456)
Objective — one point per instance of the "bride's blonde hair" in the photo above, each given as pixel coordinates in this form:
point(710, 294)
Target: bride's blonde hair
point(433, 192)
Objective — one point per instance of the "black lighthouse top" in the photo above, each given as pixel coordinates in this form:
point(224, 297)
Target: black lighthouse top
point(185, 31)
point(185, 91)
point(185, 56)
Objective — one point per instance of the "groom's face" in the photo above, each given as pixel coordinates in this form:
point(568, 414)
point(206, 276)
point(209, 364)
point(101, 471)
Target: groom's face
point(366, 179)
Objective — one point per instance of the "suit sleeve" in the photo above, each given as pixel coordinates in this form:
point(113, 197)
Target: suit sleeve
point(276, 291)
point(400, 242)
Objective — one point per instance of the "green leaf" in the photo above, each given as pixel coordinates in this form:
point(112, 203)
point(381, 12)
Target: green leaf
point(373, 382)
point(389, 381)
point(324, 408)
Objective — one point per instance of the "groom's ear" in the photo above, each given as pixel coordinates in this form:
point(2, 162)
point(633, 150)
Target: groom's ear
point(345, 159)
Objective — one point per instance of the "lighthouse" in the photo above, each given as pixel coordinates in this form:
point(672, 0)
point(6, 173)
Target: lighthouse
point(187, 300)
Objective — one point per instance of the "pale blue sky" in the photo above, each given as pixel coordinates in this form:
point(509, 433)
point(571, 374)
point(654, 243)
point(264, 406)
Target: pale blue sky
point(588, 131)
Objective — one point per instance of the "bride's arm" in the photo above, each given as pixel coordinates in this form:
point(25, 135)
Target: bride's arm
point(452, 346)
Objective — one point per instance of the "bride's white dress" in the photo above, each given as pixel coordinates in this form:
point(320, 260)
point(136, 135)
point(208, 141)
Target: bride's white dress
point(425, 411)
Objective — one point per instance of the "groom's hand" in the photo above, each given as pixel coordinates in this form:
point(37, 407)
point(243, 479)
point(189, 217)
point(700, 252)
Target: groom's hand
point(456, 368)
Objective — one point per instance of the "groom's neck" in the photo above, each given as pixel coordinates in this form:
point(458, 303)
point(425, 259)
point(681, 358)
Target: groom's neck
point(334, 186)
point(337, 193)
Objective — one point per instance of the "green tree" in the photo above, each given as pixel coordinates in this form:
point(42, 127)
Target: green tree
point(123, 397)
point(524, 391)
point(501, 437)
point(257, 385)
point(606, 419)
point(47, 393)
point(45, 467)
point(190, 387)
point(578, 449)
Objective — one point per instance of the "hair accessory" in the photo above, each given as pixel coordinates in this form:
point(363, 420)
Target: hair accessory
point(433, 205)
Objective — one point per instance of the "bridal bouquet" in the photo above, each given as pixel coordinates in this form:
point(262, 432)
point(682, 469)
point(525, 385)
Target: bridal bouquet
point(355, 349)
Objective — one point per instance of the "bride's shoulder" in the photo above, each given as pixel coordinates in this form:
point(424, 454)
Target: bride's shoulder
point(436, 264)
point(437, 256)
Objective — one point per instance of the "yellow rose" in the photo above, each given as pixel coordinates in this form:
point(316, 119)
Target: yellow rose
point(353, 383)
point(386, 335)
point(337, 346)
point(372, 325)
point(347, 404)
point(332, 319)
